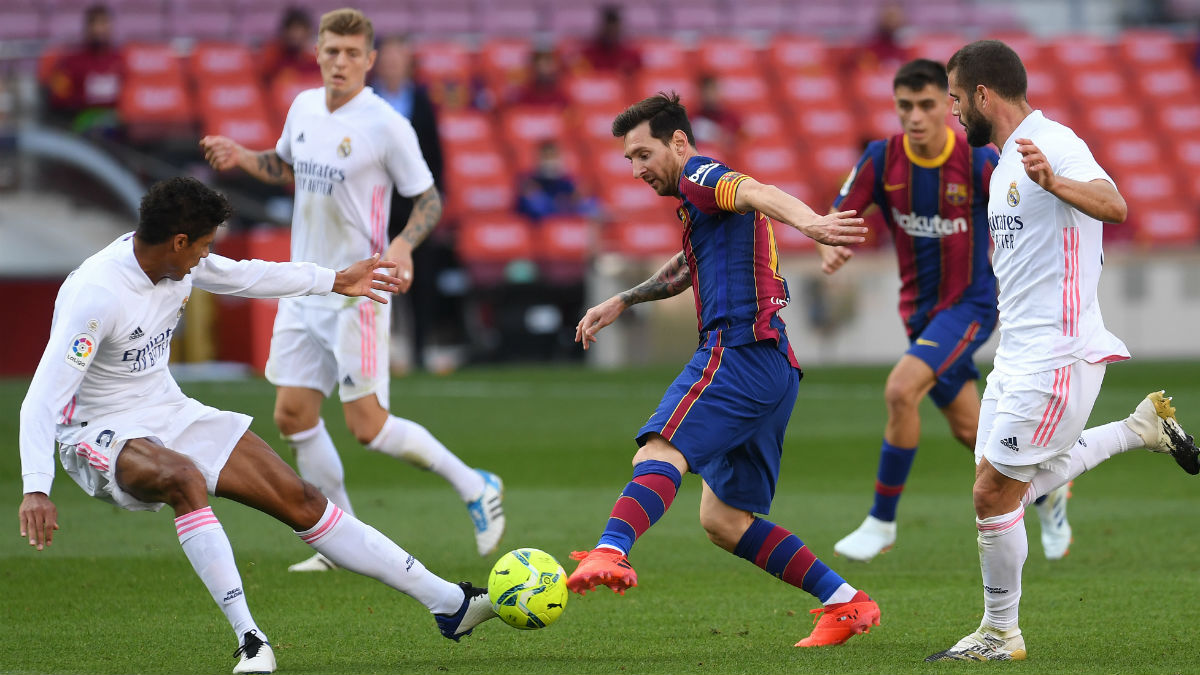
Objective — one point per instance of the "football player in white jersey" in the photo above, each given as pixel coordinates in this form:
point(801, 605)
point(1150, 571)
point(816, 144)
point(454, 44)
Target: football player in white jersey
point(1048, 202)
point(128, 435)
point(345, 147)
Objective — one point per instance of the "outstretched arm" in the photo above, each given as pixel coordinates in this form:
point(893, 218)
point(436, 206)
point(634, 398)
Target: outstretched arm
point(427, 211)
point(836, 229)
point(670, 280)
point(1098, 199)
point(224, 153)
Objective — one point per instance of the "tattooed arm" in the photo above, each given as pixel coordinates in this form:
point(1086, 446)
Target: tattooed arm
point(670, 280)
point(225, 153)
point(427, 211)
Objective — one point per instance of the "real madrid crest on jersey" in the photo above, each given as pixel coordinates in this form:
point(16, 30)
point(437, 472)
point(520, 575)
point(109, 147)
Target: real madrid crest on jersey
point(1014, 197)
point(956, 193)
point(344, 148)
point(182, 306)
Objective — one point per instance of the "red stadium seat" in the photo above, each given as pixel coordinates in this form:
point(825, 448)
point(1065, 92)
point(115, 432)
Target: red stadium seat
point(630, 198)
point(1149, 185)
point(765, 125)
point(1113, 118)
point(874, 86)
point(1044, 88)
point(532, 124)
point(445, 67)
point(796, 54)
point(151, 109)
point(156, 63)
point(1147, 49)
point(768, 159)
point(594, 123)
point(826, 125)
point(727, 56)
point(1174, 81)
point(229, 95)
point(251, 128)
point(480, 180)
point(1178, 117)
point(807, 88)
point(652, 239)
point(650, 83)
point(1079, 51)
point(880, 120)
point(663, 55)
point(464, 127)
point(596, 89)
point(220, 60)
point(831, 163)
point(745, 92)
point(1159, 224)
point(505, 64)
point(1097, 85)
point(283, 90)
point(936, 46)
point(562, 246)
point(607, 162)
point(1131, 152)
point(487, 245)
point(1025, 45)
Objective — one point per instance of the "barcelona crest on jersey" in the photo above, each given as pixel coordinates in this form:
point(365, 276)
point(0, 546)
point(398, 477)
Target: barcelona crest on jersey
point(956, 193)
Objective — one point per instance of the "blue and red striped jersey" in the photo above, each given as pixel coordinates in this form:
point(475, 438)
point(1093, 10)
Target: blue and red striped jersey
point(733, 260)
point(936, 210)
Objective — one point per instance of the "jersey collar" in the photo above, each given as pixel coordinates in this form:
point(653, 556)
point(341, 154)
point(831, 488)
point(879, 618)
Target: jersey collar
point(936, 161)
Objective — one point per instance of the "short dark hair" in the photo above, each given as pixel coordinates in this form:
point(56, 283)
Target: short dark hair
point(295, 16)
point(180, 206)
point(994, 65)
point(920, 73)
point(665, 113)
point(93, 12)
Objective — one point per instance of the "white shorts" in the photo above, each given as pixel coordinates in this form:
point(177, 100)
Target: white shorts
point(319, 348)
point(1030, 422)
point(201, 433)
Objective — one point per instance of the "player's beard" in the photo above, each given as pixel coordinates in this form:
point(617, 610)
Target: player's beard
point(979, 129)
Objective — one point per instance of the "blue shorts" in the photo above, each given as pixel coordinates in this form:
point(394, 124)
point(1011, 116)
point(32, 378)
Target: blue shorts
point(726, 412)
point(948, 343)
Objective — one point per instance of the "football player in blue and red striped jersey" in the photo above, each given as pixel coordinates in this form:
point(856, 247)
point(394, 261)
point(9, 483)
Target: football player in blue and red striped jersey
point(724, 416)
point(931, 188)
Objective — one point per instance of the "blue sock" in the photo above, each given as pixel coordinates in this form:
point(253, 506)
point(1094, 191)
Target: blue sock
point(785, 557)
point(643, 501)
point(894, 465)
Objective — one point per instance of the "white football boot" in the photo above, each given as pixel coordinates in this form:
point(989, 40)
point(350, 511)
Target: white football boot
point(487, 513)
point(1056, 531)
point(474, 610)
point(257, 656)
point(871, 538)
point(1154, 421)
point(317, 563)
point(985, 644)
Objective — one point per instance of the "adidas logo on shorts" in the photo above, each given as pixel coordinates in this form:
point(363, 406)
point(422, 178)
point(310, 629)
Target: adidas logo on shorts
point(1010, 443)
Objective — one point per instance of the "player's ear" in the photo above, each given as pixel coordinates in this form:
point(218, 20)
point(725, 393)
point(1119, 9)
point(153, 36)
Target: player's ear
point(679, 141)
point(180, 242)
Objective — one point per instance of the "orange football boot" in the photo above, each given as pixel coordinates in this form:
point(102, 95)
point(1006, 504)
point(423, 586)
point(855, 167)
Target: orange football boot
point(838, 623)
point(601, 567)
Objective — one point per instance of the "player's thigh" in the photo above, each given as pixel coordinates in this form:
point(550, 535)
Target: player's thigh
point(362, 335)
point(302, 348)
point(910, 377)
point(1039, 417)
point(256, 476)
point(153, 473)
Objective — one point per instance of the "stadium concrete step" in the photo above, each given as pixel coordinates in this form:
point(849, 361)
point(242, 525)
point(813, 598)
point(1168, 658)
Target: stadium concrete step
point(42, 235)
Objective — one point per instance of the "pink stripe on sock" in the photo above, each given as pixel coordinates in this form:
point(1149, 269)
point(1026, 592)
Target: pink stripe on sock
point(333, 519)
point(198, 513)
point(1002, 526)
point(197, 525)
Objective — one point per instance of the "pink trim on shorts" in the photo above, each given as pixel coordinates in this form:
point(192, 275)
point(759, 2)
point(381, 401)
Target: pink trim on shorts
point(1002, 526)
point(1055, 408)
point(98, 461)
point(195, 520)
point(333, 519)
point(368, 339)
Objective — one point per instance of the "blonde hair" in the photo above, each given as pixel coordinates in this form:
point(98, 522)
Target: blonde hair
point(347, 21)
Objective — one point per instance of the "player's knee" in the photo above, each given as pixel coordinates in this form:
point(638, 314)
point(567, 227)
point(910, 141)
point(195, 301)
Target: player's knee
point(723, 530)
point(363, 432)
point(986, 499)
point(965, 435)
point(900, 395)
point(290, 422)
point(181, 483)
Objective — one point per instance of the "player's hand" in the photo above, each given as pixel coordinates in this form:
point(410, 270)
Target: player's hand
point(399, 252)
point(363, 278)
point(39, 519)
point(598, 317)
point(833, 257)
point(221, 152)
point(836, 229)
point(1037, 167)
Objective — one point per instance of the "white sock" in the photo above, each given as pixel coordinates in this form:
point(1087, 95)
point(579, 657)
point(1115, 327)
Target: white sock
point(1003, 548)
point(1094, 446)
point(319, 463)
point(207, 548)
point(411, 442)
point(360, 548)
point(844, 593)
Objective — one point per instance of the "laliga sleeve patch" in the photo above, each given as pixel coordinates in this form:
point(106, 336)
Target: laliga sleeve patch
point(80, 351)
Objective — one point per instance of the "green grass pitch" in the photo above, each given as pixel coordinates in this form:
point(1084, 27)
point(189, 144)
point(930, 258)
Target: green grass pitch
point(114, 594)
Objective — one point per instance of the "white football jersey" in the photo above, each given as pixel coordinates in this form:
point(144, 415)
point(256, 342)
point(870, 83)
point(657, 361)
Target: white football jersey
point(110, 340)
point(346, 163)
point(1047, 257)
